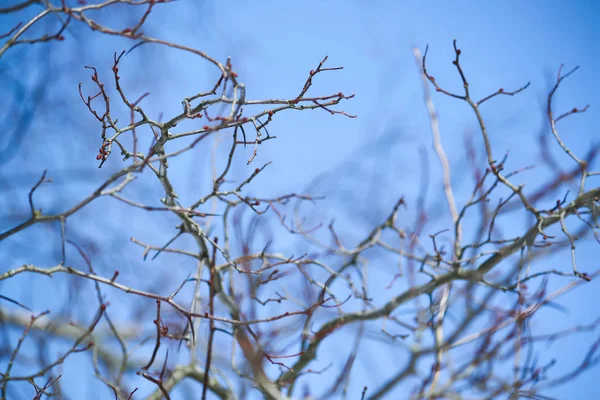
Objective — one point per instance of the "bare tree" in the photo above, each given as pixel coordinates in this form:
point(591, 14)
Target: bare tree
point(253, 316)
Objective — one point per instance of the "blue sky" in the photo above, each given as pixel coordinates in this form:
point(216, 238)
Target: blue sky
point(363, 164)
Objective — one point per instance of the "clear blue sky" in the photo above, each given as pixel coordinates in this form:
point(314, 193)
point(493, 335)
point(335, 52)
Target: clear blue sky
point(365, 163)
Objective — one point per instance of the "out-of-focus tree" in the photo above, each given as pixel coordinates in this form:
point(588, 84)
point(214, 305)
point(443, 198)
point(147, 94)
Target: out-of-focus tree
point(252, 317)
